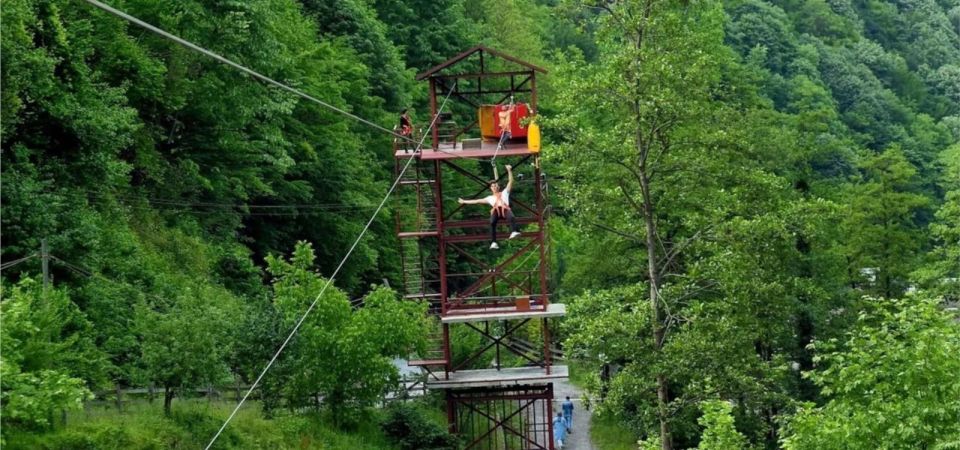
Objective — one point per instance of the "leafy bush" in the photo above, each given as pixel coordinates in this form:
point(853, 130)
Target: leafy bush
point(892, 383)
point(45, 365)
point(143, 426)
point(719, 430)
point(411, 429)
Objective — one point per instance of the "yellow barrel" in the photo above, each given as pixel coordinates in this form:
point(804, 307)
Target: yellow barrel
point(533, 137)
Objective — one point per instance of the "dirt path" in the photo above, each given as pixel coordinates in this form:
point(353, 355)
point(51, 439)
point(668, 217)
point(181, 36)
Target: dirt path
point(580, 438)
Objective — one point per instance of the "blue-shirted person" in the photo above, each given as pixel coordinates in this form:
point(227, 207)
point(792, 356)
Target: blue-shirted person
point(568, 414)
point(559, 430)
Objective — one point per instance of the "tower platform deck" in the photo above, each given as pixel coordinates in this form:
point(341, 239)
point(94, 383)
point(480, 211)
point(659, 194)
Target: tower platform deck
point(503, 377)
point(454, 151)
point(503, 313)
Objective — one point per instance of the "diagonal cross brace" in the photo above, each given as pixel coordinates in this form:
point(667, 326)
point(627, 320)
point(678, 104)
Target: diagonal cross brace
point(460, 298)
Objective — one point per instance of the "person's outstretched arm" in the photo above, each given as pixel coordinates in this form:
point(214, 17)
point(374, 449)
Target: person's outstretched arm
point(509, 187)
point(476, 201)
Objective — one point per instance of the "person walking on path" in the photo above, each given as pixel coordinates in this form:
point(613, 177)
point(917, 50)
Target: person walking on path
point(559, 430)
point(568, 414)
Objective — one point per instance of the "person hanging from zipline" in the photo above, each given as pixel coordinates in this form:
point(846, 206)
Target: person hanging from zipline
point(506, 124)
point(500, 208)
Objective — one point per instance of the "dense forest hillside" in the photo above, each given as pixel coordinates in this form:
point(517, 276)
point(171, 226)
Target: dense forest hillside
point(756, 211)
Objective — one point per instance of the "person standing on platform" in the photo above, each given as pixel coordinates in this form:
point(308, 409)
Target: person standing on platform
point(506, 124)
point(568, 414)
point(406, 125)
point(559, 430)
point(500, 203)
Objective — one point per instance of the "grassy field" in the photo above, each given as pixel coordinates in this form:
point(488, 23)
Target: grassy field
point(606, 432)
point(191, 425)
point(609, 434)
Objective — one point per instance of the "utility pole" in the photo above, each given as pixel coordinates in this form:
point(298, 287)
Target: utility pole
point(45, 258)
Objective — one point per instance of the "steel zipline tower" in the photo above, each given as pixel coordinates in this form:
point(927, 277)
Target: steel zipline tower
point(499, 393)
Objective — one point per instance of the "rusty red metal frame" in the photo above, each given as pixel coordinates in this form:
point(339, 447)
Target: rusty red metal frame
point(532, 406)
point(498, 342)
point(444, 260)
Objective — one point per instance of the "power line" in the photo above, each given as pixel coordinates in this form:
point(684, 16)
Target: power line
point(91, 274)
point(333, 276)
point(239, 67)
point(290, 211)
point(265, 78)
point(181, 202)
point(10, 264)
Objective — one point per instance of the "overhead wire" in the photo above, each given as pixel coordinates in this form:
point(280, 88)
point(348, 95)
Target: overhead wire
point(10, 264)
point(332, 277)
point(180, 202)
point(285, 210)
point(92, 274)
point(242, 68)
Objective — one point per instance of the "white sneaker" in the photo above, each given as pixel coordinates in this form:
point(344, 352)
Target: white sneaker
point(494, 246)
point(514, 234)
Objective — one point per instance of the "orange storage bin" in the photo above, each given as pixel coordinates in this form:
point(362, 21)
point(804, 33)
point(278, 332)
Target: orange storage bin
point(487, 119)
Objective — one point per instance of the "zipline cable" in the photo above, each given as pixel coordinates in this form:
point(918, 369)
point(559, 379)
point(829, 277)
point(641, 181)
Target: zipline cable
point(329, 280)
point(239, 67)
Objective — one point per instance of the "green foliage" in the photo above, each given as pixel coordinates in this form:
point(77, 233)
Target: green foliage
point(775, 175)
point(883, 230)
point(941, 273)
point(891, 383)
point(512, 26)
point(426, 43)
point(732, 277)
point(142, 426)
point(356, 22)
point(719, 432)
point(340, 355)
point(185, 344)
point(49, 363)
point(651, 443)
point(411, 429)
point(609, 433)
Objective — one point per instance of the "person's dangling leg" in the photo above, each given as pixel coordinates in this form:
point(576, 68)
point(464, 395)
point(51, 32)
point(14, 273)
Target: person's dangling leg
point(494, 218)
point(504, 137)
point(514, 229)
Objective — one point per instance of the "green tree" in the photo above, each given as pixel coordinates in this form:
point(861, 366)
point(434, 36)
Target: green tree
point(49, 363)
point(185, 343)
point(719, 432)
point(884, 235)
point(426, 43)
point(941, 273)
point(356, 22)
point(890, 383)
point(340, 356)
point(673, 158)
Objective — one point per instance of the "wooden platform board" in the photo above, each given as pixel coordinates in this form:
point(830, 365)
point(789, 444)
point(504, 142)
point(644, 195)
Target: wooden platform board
point(487, 150)
point(504, 313)
point(503, 377)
